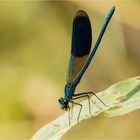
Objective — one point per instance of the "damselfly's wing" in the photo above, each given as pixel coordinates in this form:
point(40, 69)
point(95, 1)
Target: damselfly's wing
point(81, 44)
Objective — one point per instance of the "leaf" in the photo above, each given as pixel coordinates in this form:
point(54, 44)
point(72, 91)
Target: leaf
point(120, 98)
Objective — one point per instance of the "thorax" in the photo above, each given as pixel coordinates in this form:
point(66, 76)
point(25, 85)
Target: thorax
point(69, 90)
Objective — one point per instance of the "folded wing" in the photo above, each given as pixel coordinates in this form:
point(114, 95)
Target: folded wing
point(81, 45)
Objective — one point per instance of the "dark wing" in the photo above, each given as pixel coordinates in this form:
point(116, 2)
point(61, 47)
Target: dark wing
point(81, 44)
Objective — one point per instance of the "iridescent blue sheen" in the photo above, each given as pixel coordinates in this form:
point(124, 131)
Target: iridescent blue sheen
point(81, 44)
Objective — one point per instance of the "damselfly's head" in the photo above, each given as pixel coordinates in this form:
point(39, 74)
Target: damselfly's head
point(64, 103)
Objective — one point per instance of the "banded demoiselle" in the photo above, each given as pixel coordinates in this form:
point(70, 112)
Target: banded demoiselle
point(81, 57)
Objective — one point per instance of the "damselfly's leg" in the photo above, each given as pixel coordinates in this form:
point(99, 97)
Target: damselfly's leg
point(72, 110)
point(81, 96)
point(69, 115)
point(99, 99)
point(79, 110)
point(90, 98)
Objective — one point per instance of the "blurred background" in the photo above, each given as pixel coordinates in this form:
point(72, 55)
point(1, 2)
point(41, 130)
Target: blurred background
point(35, 43)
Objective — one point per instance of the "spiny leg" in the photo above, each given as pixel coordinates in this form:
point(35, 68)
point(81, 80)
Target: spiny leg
point(89, 105)
point(71, 110)
point(69, 115)
point(91, 99)
point(79, 110)
point(81, 96)
point(98, 99)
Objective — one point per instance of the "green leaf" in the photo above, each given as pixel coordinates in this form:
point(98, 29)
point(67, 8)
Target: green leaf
point(120, 98)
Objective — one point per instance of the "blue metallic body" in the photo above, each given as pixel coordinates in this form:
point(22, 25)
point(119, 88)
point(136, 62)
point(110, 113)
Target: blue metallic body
point(69, 90)
point(70, 87)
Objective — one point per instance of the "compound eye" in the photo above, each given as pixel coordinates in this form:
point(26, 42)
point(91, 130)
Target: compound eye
point(61, 101)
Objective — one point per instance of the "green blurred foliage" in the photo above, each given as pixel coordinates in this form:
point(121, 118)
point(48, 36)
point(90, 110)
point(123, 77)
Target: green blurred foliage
point(35, 41)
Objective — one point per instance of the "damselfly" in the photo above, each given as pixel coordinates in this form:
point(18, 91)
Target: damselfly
point(81, 57)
